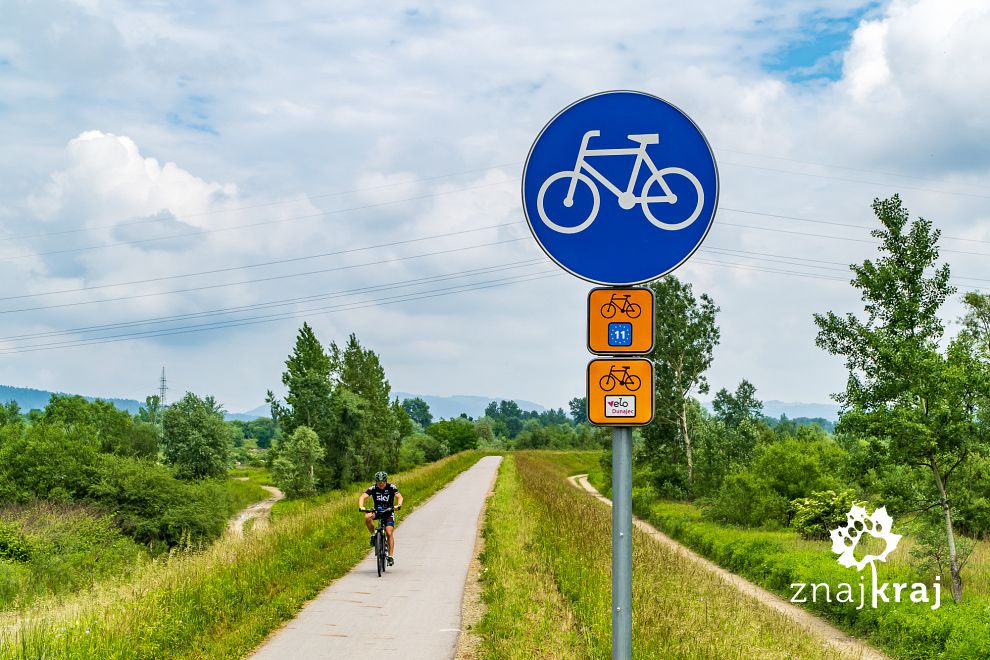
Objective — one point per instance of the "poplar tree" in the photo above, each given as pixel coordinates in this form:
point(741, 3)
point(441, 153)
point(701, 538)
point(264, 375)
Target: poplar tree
point(686, 336)
point(917, 404)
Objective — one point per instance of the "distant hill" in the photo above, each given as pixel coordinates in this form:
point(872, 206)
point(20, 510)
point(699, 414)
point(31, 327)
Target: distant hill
point(796, 410)
point(447, 407)
point(829, 411)
point(29, 399)
point(826, 424)
point(264, 410)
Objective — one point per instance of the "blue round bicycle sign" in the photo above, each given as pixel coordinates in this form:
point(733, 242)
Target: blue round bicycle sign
point(620, 188)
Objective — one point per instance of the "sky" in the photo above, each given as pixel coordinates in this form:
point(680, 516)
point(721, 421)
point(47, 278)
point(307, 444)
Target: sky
point(182, 184)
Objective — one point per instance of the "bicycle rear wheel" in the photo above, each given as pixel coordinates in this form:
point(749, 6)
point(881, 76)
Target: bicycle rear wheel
point(380, 553)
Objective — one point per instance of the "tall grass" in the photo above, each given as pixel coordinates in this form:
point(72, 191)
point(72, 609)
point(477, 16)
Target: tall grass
point(51, 549)
point(219, 603)
point(778, 559)
point(552, 549)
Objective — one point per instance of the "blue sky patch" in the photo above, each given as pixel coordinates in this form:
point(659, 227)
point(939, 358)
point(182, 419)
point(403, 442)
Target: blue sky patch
point(814, 51)
point(193, 113)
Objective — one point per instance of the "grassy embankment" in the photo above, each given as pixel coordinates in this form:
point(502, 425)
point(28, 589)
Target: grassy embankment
point(219, 603)
point(547, 581)
point(56, 549)
point(778, 559)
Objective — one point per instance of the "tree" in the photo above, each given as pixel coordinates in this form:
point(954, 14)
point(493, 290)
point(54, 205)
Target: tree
point(359, 371)
point(915, 404)
point(196, 439)
point(456, 434)
point(46, 461)
point(10, 413)
point(686, 336)
point(294, 467)
point(733, 409)
point(309, 403)
point(151, 409)
point(418, 410)
point(579, 409)
point(116, 430)
point(976, 321)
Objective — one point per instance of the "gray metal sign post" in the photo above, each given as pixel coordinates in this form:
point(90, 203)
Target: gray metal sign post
point(622, 543)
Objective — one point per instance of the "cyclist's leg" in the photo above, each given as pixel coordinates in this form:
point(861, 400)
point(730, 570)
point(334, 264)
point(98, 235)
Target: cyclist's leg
point(369, 521)
point(389, 531)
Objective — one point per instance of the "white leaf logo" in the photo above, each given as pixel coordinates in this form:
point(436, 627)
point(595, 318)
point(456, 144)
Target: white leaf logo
point(878, 525)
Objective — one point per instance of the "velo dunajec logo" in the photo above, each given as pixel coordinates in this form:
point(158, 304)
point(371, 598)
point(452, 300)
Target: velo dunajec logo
point(845, 542)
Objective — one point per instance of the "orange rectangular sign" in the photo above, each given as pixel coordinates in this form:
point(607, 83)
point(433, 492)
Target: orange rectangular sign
point(620, 392)
point(620, 321)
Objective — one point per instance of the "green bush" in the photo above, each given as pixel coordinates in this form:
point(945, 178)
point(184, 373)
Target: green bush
point(761, 494)
point(151, 505)
point(297, 458)
point(13, 545)
point(822, 511)
point(456, 434)
point(46, 461)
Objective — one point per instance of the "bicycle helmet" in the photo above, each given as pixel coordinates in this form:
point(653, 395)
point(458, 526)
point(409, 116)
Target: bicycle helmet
point(381, 476)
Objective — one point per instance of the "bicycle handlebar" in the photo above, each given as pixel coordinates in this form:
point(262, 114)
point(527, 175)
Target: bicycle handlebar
point(387, 510)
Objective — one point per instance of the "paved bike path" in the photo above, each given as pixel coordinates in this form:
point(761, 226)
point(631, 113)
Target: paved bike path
point(415, 608)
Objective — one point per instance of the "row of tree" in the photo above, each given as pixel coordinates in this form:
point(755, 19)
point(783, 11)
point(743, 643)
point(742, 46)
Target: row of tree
point(340, 400)
point(914, 429)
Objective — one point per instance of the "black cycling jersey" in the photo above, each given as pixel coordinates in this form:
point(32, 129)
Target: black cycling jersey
point(384, 497)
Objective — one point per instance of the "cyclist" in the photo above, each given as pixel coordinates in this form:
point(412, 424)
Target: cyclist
point(385, 495)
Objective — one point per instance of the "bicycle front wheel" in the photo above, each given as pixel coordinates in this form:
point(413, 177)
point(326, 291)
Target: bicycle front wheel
point(380, 553)
point(577, 212)
point(609, 310)
point(676, 206)
point(633, 311)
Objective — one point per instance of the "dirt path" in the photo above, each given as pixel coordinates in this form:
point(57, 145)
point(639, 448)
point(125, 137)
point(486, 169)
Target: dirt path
point(257, 512)
point(849, 646)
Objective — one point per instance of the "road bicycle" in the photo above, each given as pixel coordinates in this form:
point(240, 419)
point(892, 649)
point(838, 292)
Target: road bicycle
point(381, 537)
point(621, 304)
point(629, 381)
point(663, 213)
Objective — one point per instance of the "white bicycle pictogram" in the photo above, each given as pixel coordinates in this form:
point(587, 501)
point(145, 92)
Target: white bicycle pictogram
point(627, 199)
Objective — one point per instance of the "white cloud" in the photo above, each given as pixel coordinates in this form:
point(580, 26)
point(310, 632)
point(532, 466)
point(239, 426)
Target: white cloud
point(227, 107)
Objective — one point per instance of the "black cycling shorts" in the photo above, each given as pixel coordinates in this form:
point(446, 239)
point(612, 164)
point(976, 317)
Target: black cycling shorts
point(389, 518)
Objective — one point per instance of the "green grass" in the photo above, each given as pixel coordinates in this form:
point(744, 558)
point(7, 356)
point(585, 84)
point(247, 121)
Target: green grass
point(778, 559)
point(62, 548)
point(548, 586)
point(257, 475)
point(526, 617)
point(219, 603)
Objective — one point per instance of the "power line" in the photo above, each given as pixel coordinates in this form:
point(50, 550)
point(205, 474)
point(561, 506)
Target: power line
point(261, 279)
point(859, 181)
point(337, 308)
point(277, 303)
point(373, 303)
point(837, 238)
point(852, 169)
point(262, 264)
point(836, 224)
